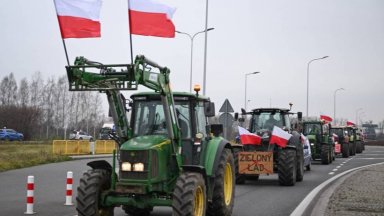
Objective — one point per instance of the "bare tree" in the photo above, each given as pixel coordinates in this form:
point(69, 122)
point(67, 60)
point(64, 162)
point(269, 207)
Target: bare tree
point(23, 93)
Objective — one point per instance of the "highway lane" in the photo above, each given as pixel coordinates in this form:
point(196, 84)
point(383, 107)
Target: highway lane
point(263, 197)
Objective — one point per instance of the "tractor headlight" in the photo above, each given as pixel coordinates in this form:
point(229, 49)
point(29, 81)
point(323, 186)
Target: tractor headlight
point(312, 144)
point(126, 166)
point(138, 167)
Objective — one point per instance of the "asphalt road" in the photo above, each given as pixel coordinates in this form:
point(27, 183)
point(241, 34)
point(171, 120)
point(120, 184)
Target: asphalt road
point(263, 197)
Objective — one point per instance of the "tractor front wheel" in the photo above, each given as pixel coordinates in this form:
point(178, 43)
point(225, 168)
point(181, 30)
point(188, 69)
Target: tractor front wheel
point(92, 184)
point(189, 195)
point(224, 186)
point(240, 178)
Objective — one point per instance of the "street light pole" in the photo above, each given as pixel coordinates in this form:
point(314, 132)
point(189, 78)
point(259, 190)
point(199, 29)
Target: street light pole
point(357, 114)
point(205, 47)
point(308, 76)
point(191, 38)
point(245, 89)
point(334, 103)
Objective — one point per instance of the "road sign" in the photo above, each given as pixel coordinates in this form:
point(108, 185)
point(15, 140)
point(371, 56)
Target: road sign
point(226, 107)
point(226, 119)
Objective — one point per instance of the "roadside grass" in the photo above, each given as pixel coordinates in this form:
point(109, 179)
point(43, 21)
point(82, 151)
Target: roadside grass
point(15, 155)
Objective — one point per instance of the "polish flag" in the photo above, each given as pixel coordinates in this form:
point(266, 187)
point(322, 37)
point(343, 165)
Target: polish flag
point(279, 137)
point(349, 123)
point(325, 118)
point(78, 18)
point(248, 138)
point(150, 18)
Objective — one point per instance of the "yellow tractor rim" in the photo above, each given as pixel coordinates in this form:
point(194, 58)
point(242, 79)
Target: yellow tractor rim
point(228, 184)
point(199, 202)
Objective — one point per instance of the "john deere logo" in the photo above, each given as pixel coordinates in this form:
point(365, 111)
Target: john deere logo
point(133, 154)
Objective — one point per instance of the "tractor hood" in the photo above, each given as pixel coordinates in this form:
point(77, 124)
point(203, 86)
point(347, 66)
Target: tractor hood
point(311, 138)
point(145, 142)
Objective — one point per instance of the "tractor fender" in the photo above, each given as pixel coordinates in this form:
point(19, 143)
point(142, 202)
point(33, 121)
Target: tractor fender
point(100, 164)
point(195, 168)
point(215, 147)
point(294, 141)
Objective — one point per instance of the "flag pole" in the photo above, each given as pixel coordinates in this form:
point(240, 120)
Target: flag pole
point(66, 53)
point(130, 34)
point(65, 47)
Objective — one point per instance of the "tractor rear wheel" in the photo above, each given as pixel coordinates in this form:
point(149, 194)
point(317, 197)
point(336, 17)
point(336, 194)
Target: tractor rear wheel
point(287, 167)
point(92, 184)
point(189, 195)
point(299, 160)
point(240, 178)
point(345, 150)
point(224, 186)
point(325, 154)
point(359, 148)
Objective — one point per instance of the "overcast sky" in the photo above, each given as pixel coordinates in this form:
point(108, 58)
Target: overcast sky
point(277, 38)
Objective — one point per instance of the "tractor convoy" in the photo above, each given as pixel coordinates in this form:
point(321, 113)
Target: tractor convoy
point(168, 154)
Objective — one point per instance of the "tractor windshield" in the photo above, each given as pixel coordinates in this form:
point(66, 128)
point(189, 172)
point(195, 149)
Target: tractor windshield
point(312, 129)
point(149, 118)
point(266, 121)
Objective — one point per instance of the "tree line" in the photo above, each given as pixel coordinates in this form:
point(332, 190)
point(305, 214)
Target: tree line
point(45, 109)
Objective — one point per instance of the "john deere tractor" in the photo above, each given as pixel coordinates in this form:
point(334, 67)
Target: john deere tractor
point(266, 157)
point(166, 155)
point(322, 145)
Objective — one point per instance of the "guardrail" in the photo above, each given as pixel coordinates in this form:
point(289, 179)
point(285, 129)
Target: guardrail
point(78, 147)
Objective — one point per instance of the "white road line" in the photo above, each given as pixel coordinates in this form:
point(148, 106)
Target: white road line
point(370, 158)
point(334, 170)
point(338, 167)
point(331, 173)
point(300, 209)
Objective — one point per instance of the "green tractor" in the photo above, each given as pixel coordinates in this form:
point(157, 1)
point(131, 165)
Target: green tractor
point(168, 154)
point(266, 157)
point(322, 146)
point(355, 140)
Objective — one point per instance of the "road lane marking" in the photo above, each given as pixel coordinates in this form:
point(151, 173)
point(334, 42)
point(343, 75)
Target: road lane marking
point(331, 173)
point(334, 170)
point(338, 167)
point(300, 209)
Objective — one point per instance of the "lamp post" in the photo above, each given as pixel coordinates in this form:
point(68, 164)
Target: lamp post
point(334, 102)
point(205, 47)
point(357, 114)
point(245, 90)
point(308, 76)
point(191, 38)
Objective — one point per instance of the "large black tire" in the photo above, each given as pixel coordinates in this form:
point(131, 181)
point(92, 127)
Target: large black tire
point(359, 148)
point(92, 184)
point(287, 167)
point(133, 211)
point(345, 150)
point(240, 179)
point(224, 187)
point(325, 154)
point(354, 148)
point(189, 195)
point(295, 140)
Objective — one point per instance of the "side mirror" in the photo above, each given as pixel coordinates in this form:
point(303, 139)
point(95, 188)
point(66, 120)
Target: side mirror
point(243, 112)
point(216, 129)
point(299, 116)
point(209, 109)
point(236, 116)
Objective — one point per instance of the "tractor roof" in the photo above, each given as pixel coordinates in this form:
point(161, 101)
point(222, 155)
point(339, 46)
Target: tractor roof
point(271, 110)
point(176, 95)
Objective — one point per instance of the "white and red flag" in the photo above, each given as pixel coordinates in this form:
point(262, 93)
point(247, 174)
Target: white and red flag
point(248, 138)
point(150, 18)
point(78, 18)
point(349, 123)
point(325, 118)
point(279, 137)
